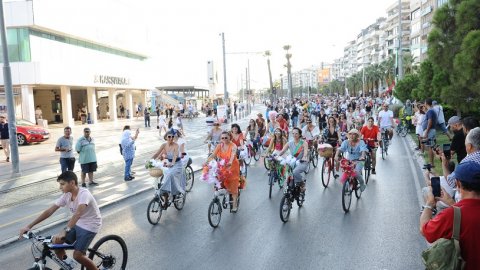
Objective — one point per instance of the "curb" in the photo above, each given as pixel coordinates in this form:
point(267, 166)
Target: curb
point(13, 239)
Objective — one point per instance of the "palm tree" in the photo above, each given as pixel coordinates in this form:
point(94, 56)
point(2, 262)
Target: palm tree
point(272, 97)
point(409, 65)
point(388, 70)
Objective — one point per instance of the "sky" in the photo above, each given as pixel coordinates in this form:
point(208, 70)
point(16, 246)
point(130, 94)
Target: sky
point(181, 36)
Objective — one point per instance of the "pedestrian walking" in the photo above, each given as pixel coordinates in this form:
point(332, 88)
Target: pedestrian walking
point(87, 158)
point(161, 124)
point(128, 151)
point(38, 114)
point(65, 146)
point(5, 137)
point(179, 122)
point(146, 116)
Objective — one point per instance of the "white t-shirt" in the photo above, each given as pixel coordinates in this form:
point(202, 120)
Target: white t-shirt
point(90, 220)
point(385, 118)
point(310, 135)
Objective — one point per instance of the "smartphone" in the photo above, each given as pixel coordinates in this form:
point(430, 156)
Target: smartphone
point(446, 151)
point(435, 182)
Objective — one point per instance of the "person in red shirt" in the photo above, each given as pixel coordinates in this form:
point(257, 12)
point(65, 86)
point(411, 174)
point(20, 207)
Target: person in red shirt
point(371, 135)
point(283, 123)
point(441, 226)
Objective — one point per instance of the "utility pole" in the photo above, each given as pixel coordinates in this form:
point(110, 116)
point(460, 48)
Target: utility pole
point(225, 92)
point(7, 81)
point(267, 54)
point(399, 53)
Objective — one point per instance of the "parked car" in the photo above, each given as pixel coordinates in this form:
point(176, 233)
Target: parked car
point(28, 132)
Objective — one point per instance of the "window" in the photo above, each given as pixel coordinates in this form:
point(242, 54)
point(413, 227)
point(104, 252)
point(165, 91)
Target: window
point(18, 43)
point(441, 2)
point(415, 27)
point(416, 14)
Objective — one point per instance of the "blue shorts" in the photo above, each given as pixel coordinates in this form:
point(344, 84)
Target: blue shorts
point(89, 167)
point(80, 238)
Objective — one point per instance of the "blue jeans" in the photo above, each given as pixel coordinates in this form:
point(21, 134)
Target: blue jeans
point(294, 121)
point(67, 164)
point(128, 166)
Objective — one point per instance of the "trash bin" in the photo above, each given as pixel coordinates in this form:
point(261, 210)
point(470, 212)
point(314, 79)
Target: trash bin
point(57, 118)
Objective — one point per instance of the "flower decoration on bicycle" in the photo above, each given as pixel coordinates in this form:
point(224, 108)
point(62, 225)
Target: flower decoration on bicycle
point(348, 168)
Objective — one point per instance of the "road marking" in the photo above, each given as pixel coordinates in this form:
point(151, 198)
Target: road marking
point(415, 175)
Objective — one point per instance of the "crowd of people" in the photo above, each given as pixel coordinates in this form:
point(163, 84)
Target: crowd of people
point(351, 126)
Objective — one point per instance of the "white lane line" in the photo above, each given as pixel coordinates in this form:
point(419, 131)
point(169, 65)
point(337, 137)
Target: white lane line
point(415, 175)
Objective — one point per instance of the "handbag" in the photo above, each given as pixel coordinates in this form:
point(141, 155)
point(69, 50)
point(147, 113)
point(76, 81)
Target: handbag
point(445, 253)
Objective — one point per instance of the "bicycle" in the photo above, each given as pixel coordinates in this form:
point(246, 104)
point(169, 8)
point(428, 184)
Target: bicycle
point(43, 248)
point(275, 175)
point(368, 159)
point(157, 205)
point(292, 193)
point(253, 151)
point(218, 203)
point(328, 165)
point(351, 183)
point(402, 128)
point(385, 143)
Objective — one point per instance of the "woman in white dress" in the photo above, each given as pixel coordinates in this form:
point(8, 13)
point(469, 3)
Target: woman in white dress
point(161, 123)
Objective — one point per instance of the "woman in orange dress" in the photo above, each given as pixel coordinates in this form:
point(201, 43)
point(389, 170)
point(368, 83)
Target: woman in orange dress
point(227, 151)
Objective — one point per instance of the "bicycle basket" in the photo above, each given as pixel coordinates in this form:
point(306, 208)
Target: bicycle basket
point(156, 172)
point(325, 150)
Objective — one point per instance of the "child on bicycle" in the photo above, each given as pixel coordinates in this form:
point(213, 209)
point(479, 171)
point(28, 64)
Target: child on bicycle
point(356, 150)
point(82, 226)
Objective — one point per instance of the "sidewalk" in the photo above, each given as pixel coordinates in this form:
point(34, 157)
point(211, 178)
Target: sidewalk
point(23, 198)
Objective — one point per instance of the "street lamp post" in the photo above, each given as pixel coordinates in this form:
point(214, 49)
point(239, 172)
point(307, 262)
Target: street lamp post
point(225, 92)
point(7, 81)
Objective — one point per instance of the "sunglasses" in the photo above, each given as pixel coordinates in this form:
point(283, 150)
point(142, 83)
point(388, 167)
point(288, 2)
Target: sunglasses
point(169, 136)
point(86, 131)
point(224, 138)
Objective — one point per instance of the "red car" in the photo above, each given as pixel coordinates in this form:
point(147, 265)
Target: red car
point(28, 132)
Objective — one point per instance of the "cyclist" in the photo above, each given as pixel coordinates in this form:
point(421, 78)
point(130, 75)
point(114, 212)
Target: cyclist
point(356, 149)
point(385, 118)
point(226, 151)
point(82, 226)
point(252, 133)
point(278, 142)
point(213, 136)
point(174, 177)
point(322, 119)
point(311, 134)
point(371, 135)
point(298, 148)
point(260, 124)
point(271, 126)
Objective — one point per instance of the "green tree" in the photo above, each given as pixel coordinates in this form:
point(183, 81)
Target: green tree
point(405, 87)
point(453, 49)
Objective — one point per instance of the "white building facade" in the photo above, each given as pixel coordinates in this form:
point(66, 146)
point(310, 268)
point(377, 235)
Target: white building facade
point(62, 72)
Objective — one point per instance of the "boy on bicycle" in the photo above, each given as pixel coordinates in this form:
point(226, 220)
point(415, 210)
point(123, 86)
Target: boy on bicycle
point(82, 226)
point(371, 135)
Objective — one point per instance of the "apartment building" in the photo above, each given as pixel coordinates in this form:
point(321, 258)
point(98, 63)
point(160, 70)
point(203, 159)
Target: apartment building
point(370, 45)
point(415, 30)
point(350, 58)
point(427, 8)
point(391, 27)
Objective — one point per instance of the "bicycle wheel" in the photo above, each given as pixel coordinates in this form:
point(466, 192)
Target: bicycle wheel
point(248, 160)
point(190, 178)
point(383, 149)
point(110, 252)
point(266, 163)
point(367, 169)
point(346, 196)
point(285, 206)
point(315, 159)
point(271, 180)
point(154, 211)
point(326, 172)
point(256, 154)
point(301, 199)
point(358, 191)
point(308, 167)
point(179, 201)
point(214, 213)
point(245, 169)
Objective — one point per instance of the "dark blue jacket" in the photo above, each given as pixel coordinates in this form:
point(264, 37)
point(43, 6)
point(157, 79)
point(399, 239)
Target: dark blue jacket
point(4, 131)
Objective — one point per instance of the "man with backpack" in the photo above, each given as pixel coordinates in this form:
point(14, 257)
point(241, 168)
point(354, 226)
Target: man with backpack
point(440, 118)
point(467, 176)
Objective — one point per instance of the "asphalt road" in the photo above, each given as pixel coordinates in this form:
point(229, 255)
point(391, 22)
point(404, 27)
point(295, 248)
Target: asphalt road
point(379, 232)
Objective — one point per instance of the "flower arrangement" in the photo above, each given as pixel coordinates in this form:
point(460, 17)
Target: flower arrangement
point(156, 167)
point(217, 173)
